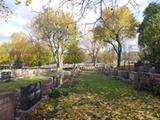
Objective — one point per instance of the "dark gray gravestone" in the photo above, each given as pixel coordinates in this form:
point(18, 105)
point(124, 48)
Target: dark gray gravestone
point(30, 95)
point(5, 76)
point(125, 74)
point(157, 68)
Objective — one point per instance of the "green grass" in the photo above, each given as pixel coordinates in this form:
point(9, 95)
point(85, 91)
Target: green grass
point(15, 85)
point(95, 96)
point(92, 82)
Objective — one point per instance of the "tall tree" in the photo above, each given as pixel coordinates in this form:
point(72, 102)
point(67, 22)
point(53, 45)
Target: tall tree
point(5, 53)
point(37, 55)
point(18, 47)
point(74, 54)
point(93, 47)
point(107, 57)
point(117, 26)
point(57, 29)
point(149, 38)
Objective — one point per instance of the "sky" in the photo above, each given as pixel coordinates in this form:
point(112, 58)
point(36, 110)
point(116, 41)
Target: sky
point(22, 16)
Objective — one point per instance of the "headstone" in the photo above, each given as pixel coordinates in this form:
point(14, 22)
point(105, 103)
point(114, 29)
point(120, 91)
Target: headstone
point(47, 84)
point(145, 81)
point(6, 76)
point(156, 84)
point(123, 74)
point(18, 73)
point(30, 95)
point(157, 68)
point(144, 68)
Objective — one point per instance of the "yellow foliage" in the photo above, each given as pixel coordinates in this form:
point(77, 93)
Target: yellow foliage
point(43, 109)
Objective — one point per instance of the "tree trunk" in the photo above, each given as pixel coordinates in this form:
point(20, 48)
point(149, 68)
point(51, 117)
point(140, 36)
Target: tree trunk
point(59, 66)
point(59, 62)
point(119, 51)
point(94, 60)
point(118, 60)
point(59, 59)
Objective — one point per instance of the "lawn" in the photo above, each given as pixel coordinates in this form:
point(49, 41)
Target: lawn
point(94, 96)
point(15, 85)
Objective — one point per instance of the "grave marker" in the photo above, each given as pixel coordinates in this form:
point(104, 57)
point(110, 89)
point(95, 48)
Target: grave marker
point(30, 95)
point(5, 76)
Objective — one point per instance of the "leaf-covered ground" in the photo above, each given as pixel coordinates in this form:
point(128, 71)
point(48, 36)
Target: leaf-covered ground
point(94, 96)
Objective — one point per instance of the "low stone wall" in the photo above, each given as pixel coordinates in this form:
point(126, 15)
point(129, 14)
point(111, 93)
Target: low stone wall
point(7, 107)
point(139, 80)
point(29, 96)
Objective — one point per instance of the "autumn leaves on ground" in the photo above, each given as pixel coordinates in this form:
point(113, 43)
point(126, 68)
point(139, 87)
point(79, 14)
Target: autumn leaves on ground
point(94, 96)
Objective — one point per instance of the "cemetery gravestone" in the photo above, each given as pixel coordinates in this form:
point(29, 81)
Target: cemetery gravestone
point(5, 76)
point(156, 84)
point(18, 73)
point(145, 81)
point(123, 74)
point(30, 95)
point(157, 68)
point(46, 86)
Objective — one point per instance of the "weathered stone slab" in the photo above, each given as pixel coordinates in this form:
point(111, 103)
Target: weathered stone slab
point(6, 76)
point(30, 95)
point(123, 74)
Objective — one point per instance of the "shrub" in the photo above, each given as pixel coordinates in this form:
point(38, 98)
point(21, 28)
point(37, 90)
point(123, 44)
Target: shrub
point(56, 93)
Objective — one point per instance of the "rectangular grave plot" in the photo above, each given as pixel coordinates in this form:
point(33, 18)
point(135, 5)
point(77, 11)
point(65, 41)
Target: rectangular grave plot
point(30, 95)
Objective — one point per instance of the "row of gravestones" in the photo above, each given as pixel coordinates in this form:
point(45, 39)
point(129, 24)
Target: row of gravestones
point(139, 80)
point(7, 75)
point(30, 95)
point(81, 65)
